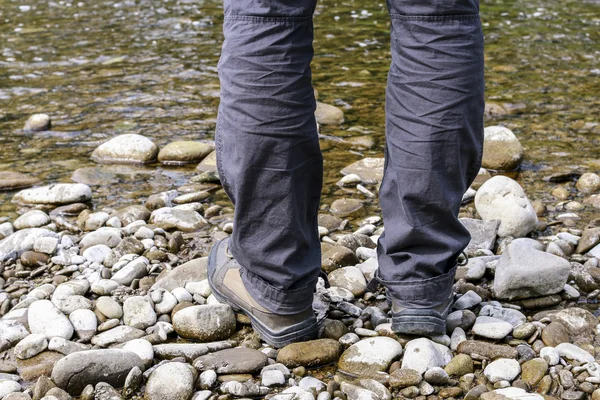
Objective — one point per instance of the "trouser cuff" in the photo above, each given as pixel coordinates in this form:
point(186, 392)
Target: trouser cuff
point(278, 301)
point(426, 293)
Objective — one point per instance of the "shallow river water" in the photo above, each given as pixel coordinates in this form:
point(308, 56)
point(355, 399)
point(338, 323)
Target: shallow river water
point(102, 68)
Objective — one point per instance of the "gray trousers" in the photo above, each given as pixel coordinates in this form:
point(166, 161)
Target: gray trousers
point(271, 166)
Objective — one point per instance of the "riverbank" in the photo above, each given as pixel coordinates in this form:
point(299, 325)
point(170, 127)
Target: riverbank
point(96, 298)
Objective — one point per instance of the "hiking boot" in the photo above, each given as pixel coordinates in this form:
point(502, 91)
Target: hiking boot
point(227, 286)
point(420, 321)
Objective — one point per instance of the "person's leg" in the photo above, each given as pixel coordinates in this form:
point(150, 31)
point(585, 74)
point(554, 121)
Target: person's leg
point(268, 153)
point(434, 138)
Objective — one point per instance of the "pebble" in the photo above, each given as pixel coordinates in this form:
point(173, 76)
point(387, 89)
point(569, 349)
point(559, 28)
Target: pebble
point(93, 366)
point(272, 378)
point(31, 346)
point(37, 123)
point(171, 381)
point(232, 361)
point(533, 371)
point(312, 353)
point(184, 152)
point(349, 278)
point(422, 354)
point(503, 369)
point(459, 365)
point(551, 356)
point(588, 183)
point(545, 273)
point(85, 323)
point(205, 323)
point(467, 300)
point(7, 387)
point(138, 312)
point(370, 356)
point(32, 219)
point(44, 318)
point(573, 352)
point(436, 376)
point(501, 198)
point(491, 328)
point(182, 220)
point(55, 194)
point(126, 149)
point(404, 377)
point(501, 149)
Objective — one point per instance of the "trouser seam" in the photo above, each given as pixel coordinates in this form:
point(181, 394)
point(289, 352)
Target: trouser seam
point(255, 18)
point(436, 18)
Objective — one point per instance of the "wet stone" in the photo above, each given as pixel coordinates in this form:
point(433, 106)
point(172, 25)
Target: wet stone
point(126, 149)
point(12, 180)
point(232, 361)
point(184, 152)
point(313, 353)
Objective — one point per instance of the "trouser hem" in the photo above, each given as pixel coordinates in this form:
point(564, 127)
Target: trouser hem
point(426, 293)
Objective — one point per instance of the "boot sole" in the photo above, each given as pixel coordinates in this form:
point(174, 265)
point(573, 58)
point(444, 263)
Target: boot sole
point(304, 331)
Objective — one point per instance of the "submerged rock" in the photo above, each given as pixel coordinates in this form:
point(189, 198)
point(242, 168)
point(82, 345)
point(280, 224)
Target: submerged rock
point(11, 180)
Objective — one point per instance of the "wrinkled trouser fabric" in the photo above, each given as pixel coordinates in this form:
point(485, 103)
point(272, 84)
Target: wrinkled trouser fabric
point(271, 166)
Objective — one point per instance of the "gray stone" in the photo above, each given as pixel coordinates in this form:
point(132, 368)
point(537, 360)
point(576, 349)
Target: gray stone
point(37, 123)
point(503, 199)
point(483, 234)
point(12, 331)
point(191, 271)
point(328, 115)
point(501, 149)
point(503, 369)
point(182, 220)
point(30, 346)
point(32, 219)
point(13, 246)
point(138, 312)
point(512, 316)
point(492, 328)
point(370, 170)
point(184, 152)
point(85, 323)
point(205, 323)
point(110, 237)
point(572, 352)
point(135, 269)
point(350, 278)
point(126, 149)
point(422, 354)
point(232, 361)
point(44, 318)
point(55, 194)
point(370, 356)
point(523, 272)
point(171, 381)
point(7, 387)
point(73, 372)
point(118, 334)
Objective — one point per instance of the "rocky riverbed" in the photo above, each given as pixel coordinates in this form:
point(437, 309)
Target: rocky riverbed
point(109, 303)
